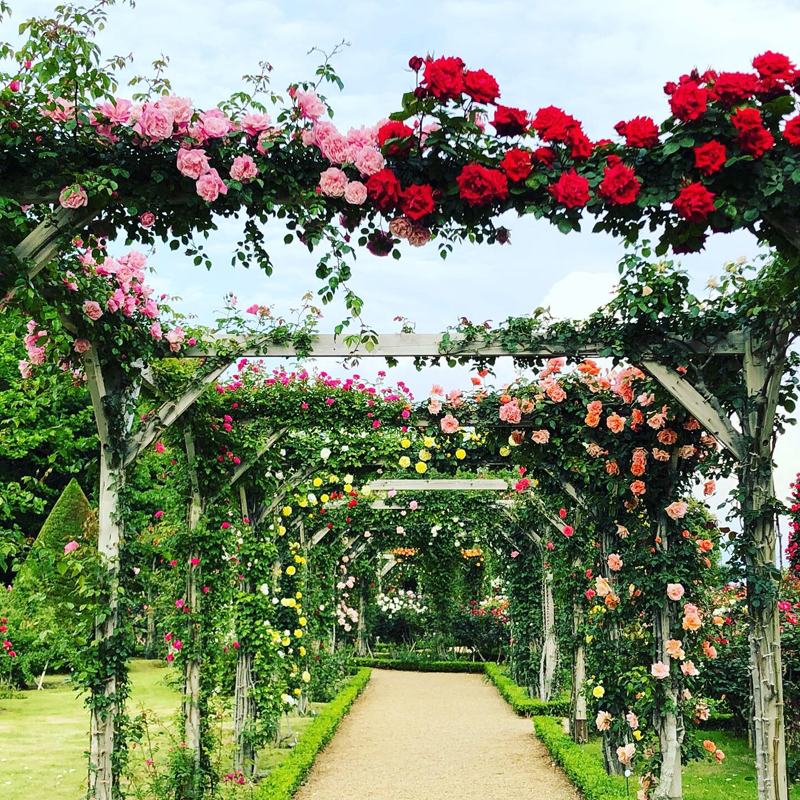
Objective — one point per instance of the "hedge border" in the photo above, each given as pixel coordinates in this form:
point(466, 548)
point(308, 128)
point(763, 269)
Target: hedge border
point(518, 698)
point(285, 779)
point(582, 768)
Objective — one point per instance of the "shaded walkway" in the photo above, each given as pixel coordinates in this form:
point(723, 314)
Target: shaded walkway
point(434, 736)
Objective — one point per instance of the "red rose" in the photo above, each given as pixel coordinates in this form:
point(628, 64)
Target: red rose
point(516, 164)
point(415, 62)
point(710, 157)
point(694, 202)
point(481, 86)
point(638, 132)
point(579, 142)
point(444, 78)
point(688, 101)
point(394, 129)
point(774, 65)
point(733, 87)
point(480, 186)
point(417, 201)
point(384, 190)
point(754, 139)
point(792, 131)
point(619, 185)
point(545, 156)
point(571, 189)
point(552, 124)
point(510, 121)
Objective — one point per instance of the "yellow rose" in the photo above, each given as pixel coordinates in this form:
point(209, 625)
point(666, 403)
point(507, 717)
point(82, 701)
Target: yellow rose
point(405, 443)
point(598, 691)
point(306, 676)
point(299, 595)
point(324, 498)
point(637, 735)
point(298, 633)
point(286, 511)
point(505, 450)
point(461, 453)
point(290, 570)
point(317, 482)
point(302, 621)
point(285, 641)
point(281, 530)
point(405, 462)
point(424, 455)
point(589, 638)
point(297, 692)
point(303, 503)
point(421, 467)
point(429, 441)
point(348, 488)
point(302, 650)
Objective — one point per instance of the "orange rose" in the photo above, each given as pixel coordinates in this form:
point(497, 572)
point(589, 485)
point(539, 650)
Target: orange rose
point(592, 420)
point(615, 423)
point(638, 488)
point(667, 436)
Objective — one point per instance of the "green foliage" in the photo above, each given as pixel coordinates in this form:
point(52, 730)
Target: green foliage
point(421, 665)
point(518, 698)
point(284, 780)
point(583, 769)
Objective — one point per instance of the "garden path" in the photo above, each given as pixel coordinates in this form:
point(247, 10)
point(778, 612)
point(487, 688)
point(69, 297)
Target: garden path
point(434, 736)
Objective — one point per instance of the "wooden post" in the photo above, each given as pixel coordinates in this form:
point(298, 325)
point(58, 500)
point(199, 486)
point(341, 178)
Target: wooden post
point(579, 726)
point(763, 370)
point(107, 392)
point(549, 659)
point(191, 669)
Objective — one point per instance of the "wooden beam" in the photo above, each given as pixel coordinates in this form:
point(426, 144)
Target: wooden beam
point(682, 390)
point(438, 485)
point(243, 468)
point(169, 413)
point(427, 345)
point(388, 567)
point(40, 246)
point(319, 536)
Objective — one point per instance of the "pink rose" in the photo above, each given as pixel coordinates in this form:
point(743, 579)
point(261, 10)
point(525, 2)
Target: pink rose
point(514, 553)
point(210, 186)
point(401, 227)
point(243, 169)
point(659, 670)
point(155, 123)
point(419, 236)
point(335, 149)
point(369, 161)
point(147, 219)
point(73, 196)
point(70, 547)
point(117, 113)
point(155, 331)
point(192, 163)
point(675, 591)
point(614, 562)
point(688, 668)
point(333, 182)
point(311, 107)
point(116, 301)
point(175, 338)
point(355, 193)
point(677, 510)
point(82, 345)
point(215, 123)
point(253, 124)
point(510, 412)
point(540, 437)
point(449, 424)
point(625, 754)
point(179, 107)
point(92, 310)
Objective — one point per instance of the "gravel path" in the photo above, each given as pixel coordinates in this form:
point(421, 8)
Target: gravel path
point(434, 736)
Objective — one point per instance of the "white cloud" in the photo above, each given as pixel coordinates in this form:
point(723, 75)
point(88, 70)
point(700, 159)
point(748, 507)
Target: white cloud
point(580, 293)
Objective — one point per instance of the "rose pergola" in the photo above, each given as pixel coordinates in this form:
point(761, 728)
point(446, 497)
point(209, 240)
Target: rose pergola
point(80, 163)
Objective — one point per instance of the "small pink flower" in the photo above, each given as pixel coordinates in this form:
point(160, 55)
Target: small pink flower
point(568, 530)
point(550, 545)
point(413, 505)
point(659, 670)
point(514, 553)
point(147, 219)
point(92, 310)
point(675, 591)
point(449, 424)
point(194, 561)
point(70, 546)
point(243, 169)
point(82, 345)
point(159, 514)
point(311, 107)
point(160, 447)
point(73, 197)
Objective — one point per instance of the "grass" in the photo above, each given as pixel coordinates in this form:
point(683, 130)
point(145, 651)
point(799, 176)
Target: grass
point(707, 780)
point(44, 735)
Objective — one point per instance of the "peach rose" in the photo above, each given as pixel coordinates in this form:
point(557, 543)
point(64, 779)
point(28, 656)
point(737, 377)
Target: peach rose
point(540, 437)
point(689, 669)
point(675, 591)
point(667, 436)
point(401, 227)
point(677, 510)
point(449, 424)
point(625, 754)
point(603, 720)
point(615, 423)
point(692, 622)
point(659, 670)
point(614, 562)
point(602, 586)
point(674, 649)
point(638, 488)
point(73, 196)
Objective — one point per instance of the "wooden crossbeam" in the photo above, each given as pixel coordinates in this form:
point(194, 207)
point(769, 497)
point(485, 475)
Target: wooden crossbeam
point(40, 246)
point(169, 413)
point(706, 414)
point(246, 467)
point(427, 345)
point(438, 485)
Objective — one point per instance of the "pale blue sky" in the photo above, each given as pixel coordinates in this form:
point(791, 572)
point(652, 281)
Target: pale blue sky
point(601, 62)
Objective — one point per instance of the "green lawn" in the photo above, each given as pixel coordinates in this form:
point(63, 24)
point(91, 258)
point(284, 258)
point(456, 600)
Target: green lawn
point(43, 735)
point(707, 780)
